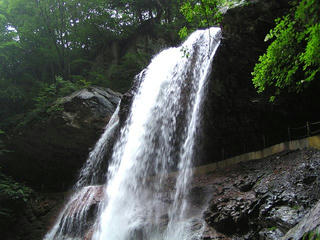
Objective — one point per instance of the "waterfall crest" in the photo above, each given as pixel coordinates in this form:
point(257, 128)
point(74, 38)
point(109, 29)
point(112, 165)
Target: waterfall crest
point(140, 200)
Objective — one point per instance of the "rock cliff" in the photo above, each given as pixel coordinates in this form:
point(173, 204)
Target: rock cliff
point(49, 150)
point(236, 118)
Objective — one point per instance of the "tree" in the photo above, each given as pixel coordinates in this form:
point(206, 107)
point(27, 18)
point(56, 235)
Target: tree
point(203, 13)
point(199, 14)
point(105, 42)
point(292, 60)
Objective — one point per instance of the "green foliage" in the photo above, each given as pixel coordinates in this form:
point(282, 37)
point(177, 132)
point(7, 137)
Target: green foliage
point(185, 52)
point(203, 14)
point(11, 193)
point(296, 207)
point(13, 190)
point(272, 228)
point(46, 99)
point(292, 60)
point(183, 33)
point(46, 96)
point(311, 236)
point(103, 42)
point(199, 14)
point(130, 65)
point(49, 93)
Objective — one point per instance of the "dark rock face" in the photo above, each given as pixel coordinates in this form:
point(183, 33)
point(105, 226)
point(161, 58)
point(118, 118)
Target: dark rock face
point(275, 199)
point(235, 118)
point(49, 150)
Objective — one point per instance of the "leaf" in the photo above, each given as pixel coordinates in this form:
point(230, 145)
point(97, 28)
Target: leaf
point(295, 49)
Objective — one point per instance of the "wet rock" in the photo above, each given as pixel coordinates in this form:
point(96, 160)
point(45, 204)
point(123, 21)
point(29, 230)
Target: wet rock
point(270, 234)
point(50, 149)
point(80, 212)
point(309, 179)
point(274, 204)
point(211, 234)
point(89, 234)
point(310, 223)
point(229, 213)
point(246, 184)
point(285, 217)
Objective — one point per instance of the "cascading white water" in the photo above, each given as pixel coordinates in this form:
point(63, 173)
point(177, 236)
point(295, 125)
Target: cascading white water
point(89, 173)
point(140, 201)
point(158, 134)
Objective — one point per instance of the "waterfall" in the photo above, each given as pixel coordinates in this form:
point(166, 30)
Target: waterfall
point(142, 199)
point(91, 171)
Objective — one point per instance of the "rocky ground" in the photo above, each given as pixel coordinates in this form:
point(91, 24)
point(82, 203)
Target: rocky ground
point(261, 199)
point(256, 200)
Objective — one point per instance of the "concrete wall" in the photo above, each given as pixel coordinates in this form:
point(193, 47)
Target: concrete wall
point(310, 142)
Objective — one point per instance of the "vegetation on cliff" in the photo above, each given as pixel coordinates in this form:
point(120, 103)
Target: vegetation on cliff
point(49, 46)
point(203, 13)
point(292, 60)
point(13, 197)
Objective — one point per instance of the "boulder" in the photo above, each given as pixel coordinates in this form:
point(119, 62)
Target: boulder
point(270, 234)
point(48, 151)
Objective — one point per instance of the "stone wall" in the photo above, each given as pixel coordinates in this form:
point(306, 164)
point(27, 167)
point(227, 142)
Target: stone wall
point(310, 142)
